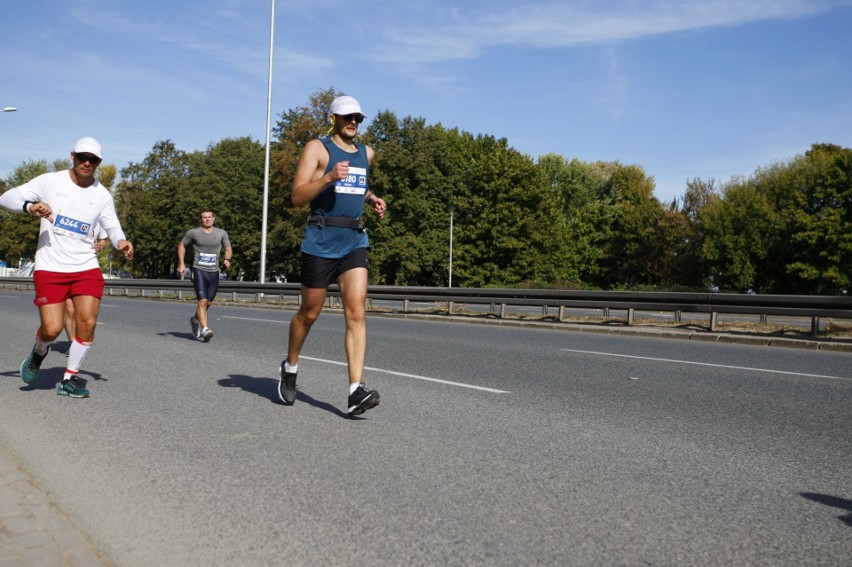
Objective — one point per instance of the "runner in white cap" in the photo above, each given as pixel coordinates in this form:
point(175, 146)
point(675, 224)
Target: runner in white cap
point(332, 176)
point(70, 204)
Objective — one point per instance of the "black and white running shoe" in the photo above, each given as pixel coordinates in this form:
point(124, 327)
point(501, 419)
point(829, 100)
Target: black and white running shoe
point(287, 386)
point(362, 399)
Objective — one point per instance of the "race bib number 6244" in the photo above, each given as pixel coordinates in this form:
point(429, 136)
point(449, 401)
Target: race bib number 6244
point(71, 227)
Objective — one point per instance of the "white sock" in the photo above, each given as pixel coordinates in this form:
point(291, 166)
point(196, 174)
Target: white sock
point(353, 386)
point(292, 369)
point(76, 355)
point(40, 345)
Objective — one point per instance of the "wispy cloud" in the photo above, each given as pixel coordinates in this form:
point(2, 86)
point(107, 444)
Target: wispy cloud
point(558, 24)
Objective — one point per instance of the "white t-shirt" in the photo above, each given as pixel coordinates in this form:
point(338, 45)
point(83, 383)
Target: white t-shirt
point(65, 245)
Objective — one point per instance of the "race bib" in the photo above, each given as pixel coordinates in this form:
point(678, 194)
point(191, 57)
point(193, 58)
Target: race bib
point(355, 182)
point(74, 228)
point(208, 259)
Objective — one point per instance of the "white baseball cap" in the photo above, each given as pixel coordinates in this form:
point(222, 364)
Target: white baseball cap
point(88, 146)
point(344, 105)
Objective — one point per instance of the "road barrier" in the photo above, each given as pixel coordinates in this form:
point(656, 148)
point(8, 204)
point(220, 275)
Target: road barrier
point(711, 304)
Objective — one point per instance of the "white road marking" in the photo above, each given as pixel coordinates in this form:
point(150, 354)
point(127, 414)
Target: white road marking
point(415, 376)
point(253, 319)
point(708, 364)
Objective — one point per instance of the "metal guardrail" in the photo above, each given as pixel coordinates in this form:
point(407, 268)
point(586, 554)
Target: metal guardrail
point(712, 304)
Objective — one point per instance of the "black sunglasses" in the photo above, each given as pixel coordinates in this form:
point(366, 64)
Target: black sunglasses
point(83, 158)
point(358, 118)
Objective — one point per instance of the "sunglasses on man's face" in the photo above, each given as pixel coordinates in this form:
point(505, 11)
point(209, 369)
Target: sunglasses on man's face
point(83, 158)
point(358, 118)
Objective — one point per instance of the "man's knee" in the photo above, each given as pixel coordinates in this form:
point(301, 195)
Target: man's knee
point(49, 332)
point(309, 314)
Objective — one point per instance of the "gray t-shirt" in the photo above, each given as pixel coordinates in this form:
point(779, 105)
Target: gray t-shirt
point(206, 247)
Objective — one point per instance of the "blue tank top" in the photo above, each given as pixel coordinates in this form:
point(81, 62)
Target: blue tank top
point(345, 198)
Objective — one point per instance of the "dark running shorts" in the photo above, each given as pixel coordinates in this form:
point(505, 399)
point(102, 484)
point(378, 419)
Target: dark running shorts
point(322, 272)
point(206, 284)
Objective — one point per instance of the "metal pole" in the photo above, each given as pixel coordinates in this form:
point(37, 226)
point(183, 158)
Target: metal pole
point(266, 161)
point(451, 245)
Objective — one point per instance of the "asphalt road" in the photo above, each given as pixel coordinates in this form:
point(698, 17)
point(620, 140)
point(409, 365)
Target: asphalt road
point(491, 446)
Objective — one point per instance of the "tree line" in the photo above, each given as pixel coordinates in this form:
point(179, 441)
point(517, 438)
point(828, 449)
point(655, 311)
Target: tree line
point(517, 221)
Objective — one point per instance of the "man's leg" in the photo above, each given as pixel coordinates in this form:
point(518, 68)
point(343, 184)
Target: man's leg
point(353, 291)
point(208, 286)
point(300, 325)
point(52, 321)
point(86, 309)
point(52, 318)
point(201, 312)
point(70, 321)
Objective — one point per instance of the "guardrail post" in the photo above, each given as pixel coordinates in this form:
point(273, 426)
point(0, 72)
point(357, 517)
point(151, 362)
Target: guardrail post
point(561, 313)
point(502, 310)
point(631, 313)
point(714, 317)
point(814, 326)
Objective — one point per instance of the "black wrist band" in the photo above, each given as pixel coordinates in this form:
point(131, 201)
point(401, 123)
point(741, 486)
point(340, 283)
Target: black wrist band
point(27, 204)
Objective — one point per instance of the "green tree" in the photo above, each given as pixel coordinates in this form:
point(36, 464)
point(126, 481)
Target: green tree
point(740, 228)
point(588, 211)
point(787, 229)
point(153, 201)
point(812, 195)
point(412, 174)
point(686, 242)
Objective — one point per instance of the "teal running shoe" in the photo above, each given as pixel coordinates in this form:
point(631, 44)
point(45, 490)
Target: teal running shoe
point(31, 365)
point(71, 388)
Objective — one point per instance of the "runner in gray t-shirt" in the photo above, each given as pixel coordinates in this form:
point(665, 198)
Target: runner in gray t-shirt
point(207, 242)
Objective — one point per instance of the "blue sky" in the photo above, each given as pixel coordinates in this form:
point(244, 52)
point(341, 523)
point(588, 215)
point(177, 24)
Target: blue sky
point(683, 88)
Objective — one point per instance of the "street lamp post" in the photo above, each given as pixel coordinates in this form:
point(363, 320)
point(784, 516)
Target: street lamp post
point(452, 209)
point(266, 158)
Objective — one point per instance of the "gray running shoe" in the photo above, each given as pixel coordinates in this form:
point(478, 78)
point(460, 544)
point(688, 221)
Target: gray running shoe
point(31, 365)
point(193, 322)
point(71, 388)
point(206, 334)
point(362, 399)
point(287, 386)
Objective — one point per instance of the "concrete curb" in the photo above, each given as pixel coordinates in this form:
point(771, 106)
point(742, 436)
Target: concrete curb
point(33, 532)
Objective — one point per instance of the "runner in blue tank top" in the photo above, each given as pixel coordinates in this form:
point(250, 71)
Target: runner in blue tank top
point(332, 176)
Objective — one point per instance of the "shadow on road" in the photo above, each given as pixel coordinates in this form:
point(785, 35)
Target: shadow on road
point(834, 501)
point(48, 378)
point(179, 335)
point(268, 388)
